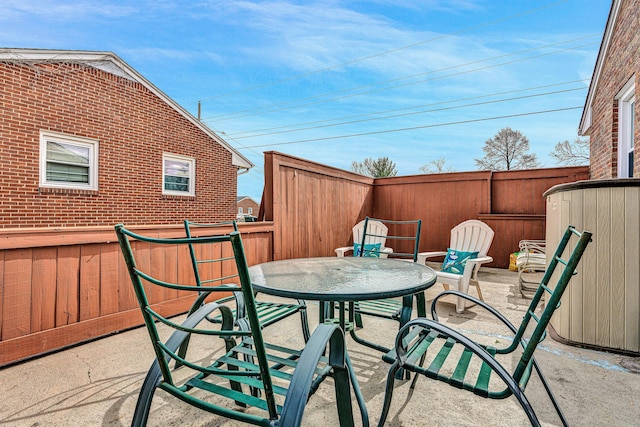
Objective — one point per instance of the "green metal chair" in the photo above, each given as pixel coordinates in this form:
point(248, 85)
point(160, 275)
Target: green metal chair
point(404, 237)
point(205, 264)
point(424, 337)
point(247, 379)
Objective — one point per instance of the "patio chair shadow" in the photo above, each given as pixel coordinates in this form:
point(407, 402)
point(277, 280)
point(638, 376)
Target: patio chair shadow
point(78, 397)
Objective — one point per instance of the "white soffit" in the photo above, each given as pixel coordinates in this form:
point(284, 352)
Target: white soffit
point(585, 121)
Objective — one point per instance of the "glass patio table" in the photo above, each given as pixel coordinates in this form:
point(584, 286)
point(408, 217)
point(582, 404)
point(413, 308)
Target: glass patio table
point(344, 280)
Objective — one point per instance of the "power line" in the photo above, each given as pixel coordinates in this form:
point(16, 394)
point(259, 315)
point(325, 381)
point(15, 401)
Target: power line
point(414, 113)
point(332, 67)
point(416, 127)
point(237, 135)
point(242, 146)
point(271, 109)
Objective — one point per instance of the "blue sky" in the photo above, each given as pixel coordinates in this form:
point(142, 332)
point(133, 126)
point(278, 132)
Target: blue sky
point(340, 81)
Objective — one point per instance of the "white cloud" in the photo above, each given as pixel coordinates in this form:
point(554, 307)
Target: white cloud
point(61, 11)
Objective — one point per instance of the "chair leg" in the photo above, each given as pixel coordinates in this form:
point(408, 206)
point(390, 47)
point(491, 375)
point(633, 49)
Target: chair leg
point(388, 393)
point(143, 405)
point(416, 375)
point(357, 317)
point(421, 304)
point(463, 287)
point(477, 285)
point(550, 394)
point(460, 303)
point(305, 324)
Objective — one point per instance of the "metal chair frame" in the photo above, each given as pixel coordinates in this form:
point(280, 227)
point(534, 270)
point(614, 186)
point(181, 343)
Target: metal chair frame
point(392, 308)
point(268, 312)
point(250, 380)
point(419, 335)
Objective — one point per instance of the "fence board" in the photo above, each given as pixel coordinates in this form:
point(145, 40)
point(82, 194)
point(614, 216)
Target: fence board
point(110, 260)
point(68, 286)
point(43, 289)
point(89, 282)
point(16, 301)
point(14, 350)
point(62, 294)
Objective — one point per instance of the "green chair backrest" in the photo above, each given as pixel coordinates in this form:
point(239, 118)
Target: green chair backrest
point(199, 264)
point(552, 302)
point(402, 236)
point(145, 276)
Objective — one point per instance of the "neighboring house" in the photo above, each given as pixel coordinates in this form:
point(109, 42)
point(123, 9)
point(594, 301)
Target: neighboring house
point(602, 308)
point(247, 206)
point(87, 140)
point(610, 116)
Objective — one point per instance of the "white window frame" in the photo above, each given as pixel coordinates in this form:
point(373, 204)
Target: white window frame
point(626, 127)
point(240, 210)
point(250, 211)
point(192, 174)
point(90, 143)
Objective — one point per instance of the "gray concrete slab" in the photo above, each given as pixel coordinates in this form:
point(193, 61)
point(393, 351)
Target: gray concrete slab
point(96, 384)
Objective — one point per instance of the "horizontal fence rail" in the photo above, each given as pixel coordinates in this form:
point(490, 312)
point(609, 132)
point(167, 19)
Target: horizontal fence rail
point(61, 287)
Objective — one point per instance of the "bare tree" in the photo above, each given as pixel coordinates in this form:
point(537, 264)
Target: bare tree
point(508, 150)
point(572, 153)
point(437, 166)
point(375, 168)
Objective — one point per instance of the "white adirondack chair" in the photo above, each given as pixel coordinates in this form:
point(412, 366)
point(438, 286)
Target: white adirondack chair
point(379, 233)
point(468, 236)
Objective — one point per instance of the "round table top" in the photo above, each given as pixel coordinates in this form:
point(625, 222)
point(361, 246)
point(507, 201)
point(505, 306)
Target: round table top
point(341, 278)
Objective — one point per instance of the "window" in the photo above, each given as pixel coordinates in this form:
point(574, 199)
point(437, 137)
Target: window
point(68, 161)
point(240, 209)
point(250, 211)
point(178, 176)
point(626, 128)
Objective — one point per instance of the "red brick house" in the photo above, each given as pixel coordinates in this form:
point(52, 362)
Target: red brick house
point(88, 141)
point(610, 117)
point(247, 206)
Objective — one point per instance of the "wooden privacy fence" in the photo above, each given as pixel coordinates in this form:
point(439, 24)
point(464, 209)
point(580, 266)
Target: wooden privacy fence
point(313, 206)
point(65, 286)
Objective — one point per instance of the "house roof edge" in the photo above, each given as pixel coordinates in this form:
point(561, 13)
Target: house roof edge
point(87, 56)
point(585, 120)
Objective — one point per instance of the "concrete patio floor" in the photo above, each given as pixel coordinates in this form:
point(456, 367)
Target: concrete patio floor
point(96, 384)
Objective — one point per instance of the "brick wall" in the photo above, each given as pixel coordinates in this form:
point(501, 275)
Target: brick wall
point(247, 203)
point(133, 126)
point(620, 64)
